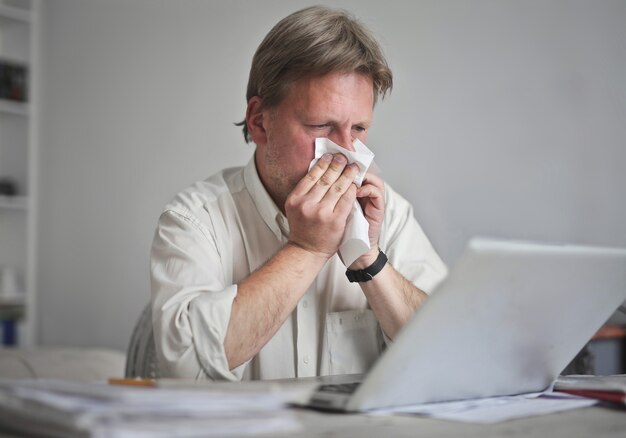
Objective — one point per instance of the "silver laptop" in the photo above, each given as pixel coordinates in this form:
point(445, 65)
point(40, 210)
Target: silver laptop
point(507, 320)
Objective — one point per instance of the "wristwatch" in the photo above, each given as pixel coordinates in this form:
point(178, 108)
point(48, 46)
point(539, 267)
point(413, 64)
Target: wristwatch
point(363, 275)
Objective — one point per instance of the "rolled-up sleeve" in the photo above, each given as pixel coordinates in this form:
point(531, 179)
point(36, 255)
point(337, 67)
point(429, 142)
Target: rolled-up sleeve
point(191, 300)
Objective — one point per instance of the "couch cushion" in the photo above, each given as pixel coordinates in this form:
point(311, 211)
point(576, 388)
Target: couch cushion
point(14, 367)
point(83, 364)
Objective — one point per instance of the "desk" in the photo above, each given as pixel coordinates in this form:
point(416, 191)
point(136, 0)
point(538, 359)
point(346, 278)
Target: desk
point(583, 423)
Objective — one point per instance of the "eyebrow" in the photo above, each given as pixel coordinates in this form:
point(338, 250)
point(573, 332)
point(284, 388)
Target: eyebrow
point(314, 122)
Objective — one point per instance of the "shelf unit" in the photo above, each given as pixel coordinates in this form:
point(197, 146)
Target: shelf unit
point(16, 11)
point(14, 108)
point(13, 203)
point(19, 24)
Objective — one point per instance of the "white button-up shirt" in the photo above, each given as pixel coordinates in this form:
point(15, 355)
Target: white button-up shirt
point(218, 231)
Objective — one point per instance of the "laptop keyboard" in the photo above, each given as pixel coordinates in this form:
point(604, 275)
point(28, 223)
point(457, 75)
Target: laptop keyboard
point(340, 388)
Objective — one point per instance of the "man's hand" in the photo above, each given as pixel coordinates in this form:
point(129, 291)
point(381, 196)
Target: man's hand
point(318, 207)
point(371, 196)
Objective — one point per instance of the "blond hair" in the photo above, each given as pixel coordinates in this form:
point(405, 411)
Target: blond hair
point(313, 42)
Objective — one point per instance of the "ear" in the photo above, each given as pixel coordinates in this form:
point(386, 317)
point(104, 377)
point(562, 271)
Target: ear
point(255, 121)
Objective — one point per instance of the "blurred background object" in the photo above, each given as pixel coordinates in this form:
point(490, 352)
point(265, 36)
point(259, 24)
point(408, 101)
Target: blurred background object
point(7, 187)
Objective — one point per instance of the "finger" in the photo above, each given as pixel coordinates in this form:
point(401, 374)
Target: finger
point(328, 179)
point(310, 179)
point(370, 191)
point(372, 194)
point(341, 185)
point(376, 180)
point(344, 204)
point(373, 186)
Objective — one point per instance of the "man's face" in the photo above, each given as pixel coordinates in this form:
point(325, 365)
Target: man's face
point(337, 106)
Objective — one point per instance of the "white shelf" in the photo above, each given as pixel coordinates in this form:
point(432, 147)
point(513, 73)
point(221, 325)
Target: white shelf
point(20, 31)
point(16, 299)
point(14, 108)
point(15, 14)
point(14, 60)
point(13, 202)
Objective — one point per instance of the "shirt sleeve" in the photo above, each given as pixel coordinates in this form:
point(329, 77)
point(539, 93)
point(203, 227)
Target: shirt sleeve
point(407, 247)
point(191, 300)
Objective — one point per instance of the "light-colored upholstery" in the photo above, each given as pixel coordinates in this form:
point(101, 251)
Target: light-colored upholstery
point(141, 359)
point(86, 364)
point(82, 364)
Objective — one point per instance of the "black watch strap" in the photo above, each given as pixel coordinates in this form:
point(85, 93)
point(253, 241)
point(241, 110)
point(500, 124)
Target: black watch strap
point(363, 275)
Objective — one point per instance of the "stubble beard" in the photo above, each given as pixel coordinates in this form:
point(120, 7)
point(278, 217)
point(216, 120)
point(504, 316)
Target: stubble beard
point(282, 183)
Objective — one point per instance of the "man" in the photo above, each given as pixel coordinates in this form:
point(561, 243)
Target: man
point(246, 280)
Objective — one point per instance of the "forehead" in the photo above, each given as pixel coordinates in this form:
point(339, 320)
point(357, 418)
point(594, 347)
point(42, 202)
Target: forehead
point(337, 89)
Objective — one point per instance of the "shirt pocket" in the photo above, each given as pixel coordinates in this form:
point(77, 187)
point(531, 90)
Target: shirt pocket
point(353, 341)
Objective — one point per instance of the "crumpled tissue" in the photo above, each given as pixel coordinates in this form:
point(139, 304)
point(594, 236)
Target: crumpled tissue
point(355, 240)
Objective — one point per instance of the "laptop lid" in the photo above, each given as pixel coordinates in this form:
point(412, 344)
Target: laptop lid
point(507, 320)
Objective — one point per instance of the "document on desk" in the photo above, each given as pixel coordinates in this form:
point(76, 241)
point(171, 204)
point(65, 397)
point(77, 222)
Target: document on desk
point(66, 408)
point(494, 409)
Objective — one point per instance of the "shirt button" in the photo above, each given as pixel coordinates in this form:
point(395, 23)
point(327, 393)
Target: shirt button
point(305, 304)
point(305, 359)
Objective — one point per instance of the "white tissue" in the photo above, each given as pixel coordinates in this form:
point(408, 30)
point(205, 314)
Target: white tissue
point(355, 240)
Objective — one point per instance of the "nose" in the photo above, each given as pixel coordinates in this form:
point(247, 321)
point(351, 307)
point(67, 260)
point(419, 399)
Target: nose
point(343, 138)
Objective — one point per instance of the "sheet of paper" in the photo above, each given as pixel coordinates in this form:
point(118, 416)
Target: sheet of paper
point(355, 241)
point(494, 409)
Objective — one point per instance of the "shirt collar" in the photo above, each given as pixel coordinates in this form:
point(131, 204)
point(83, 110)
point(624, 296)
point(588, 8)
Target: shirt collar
point(272, 216)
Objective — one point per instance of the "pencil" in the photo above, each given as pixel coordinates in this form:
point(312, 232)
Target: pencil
point(132, 382)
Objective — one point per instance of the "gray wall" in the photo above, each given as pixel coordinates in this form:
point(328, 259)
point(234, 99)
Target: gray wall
point(506, 120)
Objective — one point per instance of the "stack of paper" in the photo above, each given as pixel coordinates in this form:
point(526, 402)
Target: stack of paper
point(65, 409)
point(606, 388)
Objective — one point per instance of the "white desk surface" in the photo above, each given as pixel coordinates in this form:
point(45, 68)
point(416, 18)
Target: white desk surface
point(584, 423)
point(592, 422)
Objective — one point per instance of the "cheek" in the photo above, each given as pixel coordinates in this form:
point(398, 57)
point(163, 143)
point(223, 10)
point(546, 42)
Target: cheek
point(304, 150)
point(362, 136)
point(309, 152)
point(294, 150)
